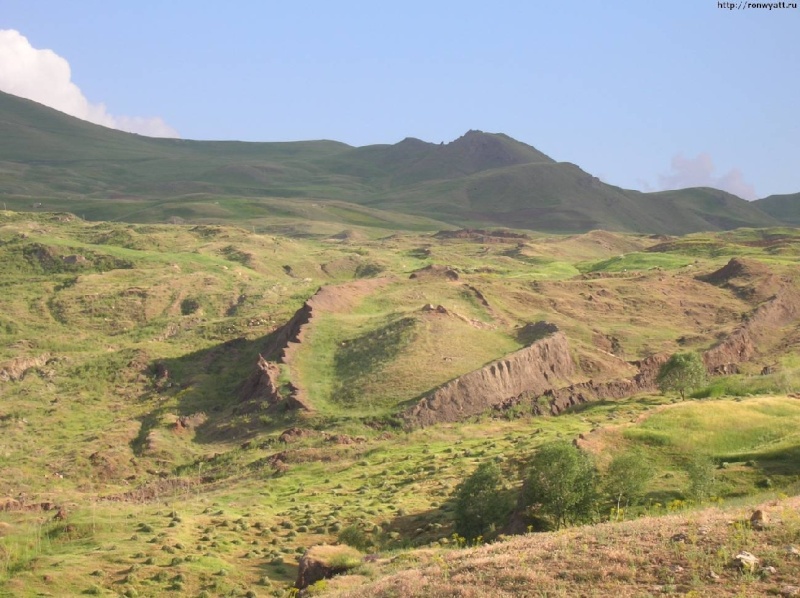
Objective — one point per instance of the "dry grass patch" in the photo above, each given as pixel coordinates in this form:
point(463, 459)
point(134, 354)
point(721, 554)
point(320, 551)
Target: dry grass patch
point(688, 554)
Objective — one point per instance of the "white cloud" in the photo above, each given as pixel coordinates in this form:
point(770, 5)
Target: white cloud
point(45, 77)
point(699, 172)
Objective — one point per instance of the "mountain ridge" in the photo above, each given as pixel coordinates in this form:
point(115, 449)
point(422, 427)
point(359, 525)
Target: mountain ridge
point(478, 178)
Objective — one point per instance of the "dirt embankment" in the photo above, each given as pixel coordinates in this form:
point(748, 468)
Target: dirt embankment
point(17, 368)
point(745, 278)
point(561, 399)
point(765, 322)
point(749, 279)
point(532, 370)
point(264, 384)
point(480, 235)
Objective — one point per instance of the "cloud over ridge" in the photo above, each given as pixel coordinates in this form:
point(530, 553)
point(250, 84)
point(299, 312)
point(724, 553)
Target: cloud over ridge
point(699, 172)
point(45, 77)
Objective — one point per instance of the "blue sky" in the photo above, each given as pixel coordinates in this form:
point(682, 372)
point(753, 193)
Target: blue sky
point(643, 94)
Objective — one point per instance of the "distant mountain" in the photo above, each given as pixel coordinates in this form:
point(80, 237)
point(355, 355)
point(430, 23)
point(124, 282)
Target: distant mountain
point(783, 207)
point(479, 179)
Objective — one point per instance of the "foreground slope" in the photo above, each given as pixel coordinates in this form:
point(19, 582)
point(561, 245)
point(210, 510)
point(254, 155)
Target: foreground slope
point(133, 461)
point(52, 161)
point(679, 554)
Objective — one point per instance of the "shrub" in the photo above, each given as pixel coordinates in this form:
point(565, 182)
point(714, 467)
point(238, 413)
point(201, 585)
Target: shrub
point(561, 484)
point(480, 505)
point(682, 373)
point(354, 536)
point(702, 472)
point(626, 478)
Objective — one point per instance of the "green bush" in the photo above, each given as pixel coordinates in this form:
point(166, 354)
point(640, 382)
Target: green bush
point(354, 536)
point(702, 472)
point(480, 504)
point(682, 373)
point(626, 478)
point(561, 485)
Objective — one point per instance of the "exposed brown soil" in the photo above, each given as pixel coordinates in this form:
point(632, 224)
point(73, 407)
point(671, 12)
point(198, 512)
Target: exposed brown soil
point(485, 388)
point(534, 369)
point(739, 346)
point(761, 327)
point(480, 235)
point(751, 280)
point(562, 399)
point(17, 368)
point(435, 271)
point(441, 310)
point(295, 434)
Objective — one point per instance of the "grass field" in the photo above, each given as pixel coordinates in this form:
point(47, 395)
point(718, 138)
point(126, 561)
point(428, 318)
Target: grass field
point(125, 346)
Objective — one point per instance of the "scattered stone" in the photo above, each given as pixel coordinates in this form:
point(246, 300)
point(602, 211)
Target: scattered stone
point(759, 520)
point(680, 537)
point(767, 571)
point(325, 561)
point(789, 591)
point(295, 434)
point(744, 561)
point(713, 575)
point(793, 550)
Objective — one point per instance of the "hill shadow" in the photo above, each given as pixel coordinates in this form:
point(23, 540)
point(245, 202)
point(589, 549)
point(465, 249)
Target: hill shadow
point(201, 391)
point(778, 462)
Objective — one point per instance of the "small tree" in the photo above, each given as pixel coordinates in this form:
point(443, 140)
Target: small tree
point(481, 505)
point(626, 478)
point(702, 473)
point(561, 484)
point(682, 373)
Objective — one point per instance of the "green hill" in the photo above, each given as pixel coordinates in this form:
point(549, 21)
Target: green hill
point(783, 207)
point(63, 163)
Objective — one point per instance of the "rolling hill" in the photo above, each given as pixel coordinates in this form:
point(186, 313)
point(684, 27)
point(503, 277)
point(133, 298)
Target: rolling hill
point(782, 207)
point(188, 409)
point(62, 163)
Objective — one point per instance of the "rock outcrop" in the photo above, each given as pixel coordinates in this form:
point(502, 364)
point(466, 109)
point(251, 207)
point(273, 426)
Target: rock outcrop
point(561, 399)
point(323, 562)
point(545, 364)
point(17, 368)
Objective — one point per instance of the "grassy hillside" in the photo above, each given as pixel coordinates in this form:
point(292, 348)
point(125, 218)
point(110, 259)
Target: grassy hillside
point(785, 208)
point(50, 161)
point(134, 466)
